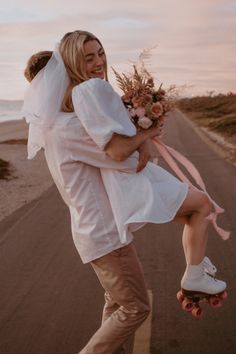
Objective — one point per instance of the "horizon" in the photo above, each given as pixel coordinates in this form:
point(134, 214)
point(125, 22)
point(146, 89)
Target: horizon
point(193, 41)
point(206, 94)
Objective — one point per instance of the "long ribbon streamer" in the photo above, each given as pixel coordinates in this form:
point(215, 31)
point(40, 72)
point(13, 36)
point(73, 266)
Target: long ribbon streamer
point(169, 154)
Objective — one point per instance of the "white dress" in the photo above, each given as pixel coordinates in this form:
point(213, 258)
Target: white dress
point(152, 195)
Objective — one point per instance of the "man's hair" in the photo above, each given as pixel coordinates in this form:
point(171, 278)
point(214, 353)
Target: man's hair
point(35, 63)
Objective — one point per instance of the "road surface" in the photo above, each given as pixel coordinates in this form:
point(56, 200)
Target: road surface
point(51, 303)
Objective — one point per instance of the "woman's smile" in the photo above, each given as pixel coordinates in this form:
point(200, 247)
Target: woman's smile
point(95, 59)
point(98, 72)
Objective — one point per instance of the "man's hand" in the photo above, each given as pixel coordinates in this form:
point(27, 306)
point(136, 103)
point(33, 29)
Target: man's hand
point(144, 155)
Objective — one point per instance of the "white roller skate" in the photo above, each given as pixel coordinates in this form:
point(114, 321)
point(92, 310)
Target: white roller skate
point(200, 285)
point(209, 268)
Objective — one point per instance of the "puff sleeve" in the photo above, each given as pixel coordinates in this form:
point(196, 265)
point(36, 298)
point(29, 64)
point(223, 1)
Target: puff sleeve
point(101, 111)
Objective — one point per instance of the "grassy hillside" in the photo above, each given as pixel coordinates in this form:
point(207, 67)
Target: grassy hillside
point(218, 113)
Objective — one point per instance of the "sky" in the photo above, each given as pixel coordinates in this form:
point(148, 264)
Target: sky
point(193, 41)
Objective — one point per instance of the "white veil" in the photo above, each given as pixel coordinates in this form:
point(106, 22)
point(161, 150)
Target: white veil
point(42, 101)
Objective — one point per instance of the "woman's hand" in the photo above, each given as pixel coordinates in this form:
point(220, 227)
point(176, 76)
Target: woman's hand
point(120, 147)
point(155, 131)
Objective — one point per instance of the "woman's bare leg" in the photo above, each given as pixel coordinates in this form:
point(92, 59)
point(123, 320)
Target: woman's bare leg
point(193, 213)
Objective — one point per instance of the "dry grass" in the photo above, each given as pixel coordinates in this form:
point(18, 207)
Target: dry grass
point(217, 113)
point(4, 169)
point(15, 142)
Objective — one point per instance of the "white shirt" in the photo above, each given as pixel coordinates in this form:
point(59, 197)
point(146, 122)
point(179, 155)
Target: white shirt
point(72, 157)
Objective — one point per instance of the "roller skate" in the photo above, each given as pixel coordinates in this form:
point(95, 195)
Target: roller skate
point(199, 285)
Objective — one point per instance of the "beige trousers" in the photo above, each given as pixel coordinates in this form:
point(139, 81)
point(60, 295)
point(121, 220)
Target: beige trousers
point(126, 300)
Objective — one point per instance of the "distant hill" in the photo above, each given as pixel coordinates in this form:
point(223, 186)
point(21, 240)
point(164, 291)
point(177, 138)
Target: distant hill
point(217, 113)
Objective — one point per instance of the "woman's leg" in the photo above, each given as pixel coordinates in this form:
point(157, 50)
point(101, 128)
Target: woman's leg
point(121, 275)
point(194, 211)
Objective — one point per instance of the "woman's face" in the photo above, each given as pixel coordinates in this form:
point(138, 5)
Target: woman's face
point(95, 59)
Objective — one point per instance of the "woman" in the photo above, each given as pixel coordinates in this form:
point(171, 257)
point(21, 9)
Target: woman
point(89, 143)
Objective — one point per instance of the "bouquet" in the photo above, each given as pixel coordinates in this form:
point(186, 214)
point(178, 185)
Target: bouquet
point(147, 106)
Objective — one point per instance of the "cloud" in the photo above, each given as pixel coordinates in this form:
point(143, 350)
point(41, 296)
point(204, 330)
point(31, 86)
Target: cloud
point(195, 39)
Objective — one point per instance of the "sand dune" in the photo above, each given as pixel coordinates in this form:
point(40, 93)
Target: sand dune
point(29, 178)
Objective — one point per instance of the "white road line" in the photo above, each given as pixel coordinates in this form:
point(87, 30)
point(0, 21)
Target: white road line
point(142, 338)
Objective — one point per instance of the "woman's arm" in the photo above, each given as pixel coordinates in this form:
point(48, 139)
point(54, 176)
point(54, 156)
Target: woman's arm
point(105, 119)
point(120, 147)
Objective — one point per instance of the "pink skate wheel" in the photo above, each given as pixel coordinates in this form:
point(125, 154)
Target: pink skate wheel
point(224, 295)
point(215, 302)
point(197, 312)
point(187, 305)
point(180, 296)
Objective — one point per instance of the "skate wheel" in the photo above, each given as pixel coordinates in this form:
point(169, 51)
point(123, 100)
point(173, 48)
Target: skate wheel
point(180, 296)
point(223, 296)
point(187, 305)
point(215, 302)
point(197, 311)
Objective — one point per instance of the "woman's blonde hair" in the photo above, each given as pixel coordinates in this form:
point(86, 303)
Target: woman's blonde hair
point(71, 49)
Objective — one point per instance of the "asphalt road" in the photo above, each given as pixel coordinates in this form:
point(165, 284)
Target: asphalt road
point(51, 303)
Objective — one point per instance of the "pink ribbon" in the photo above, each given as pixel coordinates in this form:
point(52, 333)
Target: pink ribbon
point(169, 154)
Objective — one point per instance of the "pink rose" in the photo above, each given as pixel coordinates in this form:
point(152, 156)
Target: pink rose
point(144, 122)
point(157, 110)
point(140, 112)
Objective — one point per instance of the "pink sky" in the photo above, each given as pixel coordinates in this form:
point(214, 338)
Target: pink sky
point(195, 39)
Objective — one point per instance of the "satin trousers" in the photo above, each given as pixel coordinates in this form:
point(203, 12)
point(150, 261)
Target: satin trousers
point(126, 300)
